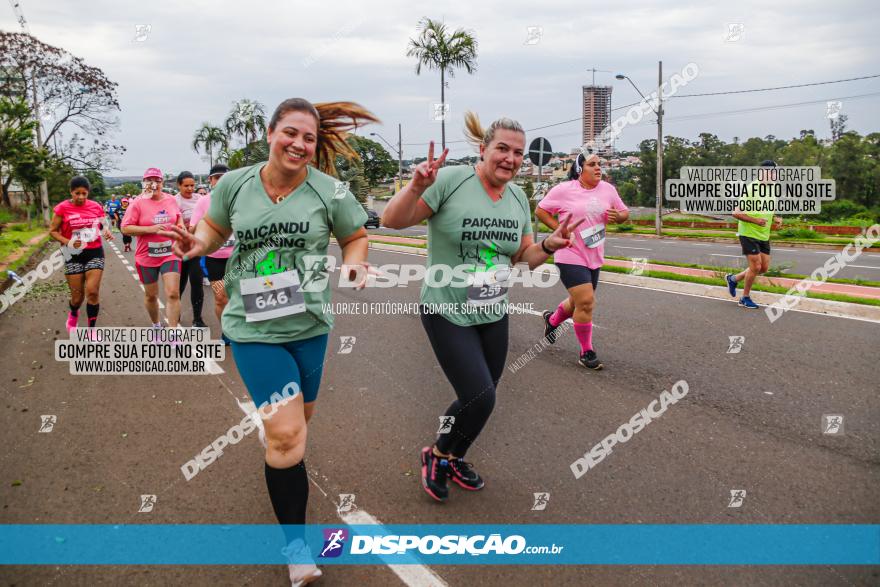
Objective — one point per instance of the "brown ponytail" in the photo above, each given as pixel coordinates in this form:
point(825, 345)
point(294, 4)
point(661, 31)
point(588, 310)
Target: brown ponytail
point(335, 120)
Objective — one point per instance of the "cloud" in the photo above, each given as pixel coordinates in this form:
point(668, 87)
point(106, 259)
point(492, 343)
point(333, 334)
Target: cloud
point(201, 56)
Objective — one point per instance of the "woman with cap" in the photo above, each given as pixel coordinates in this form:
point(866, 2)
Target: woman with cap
point(593, 203)
point(283, 213)
point(215, 263)
point(78, 224)
point(147, 216)
point(479, 223)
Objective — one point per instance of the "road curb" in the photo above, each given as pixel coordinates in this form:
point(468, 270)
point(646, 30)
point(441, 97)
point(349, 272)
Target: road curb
point(728, 241)
point(817, 306)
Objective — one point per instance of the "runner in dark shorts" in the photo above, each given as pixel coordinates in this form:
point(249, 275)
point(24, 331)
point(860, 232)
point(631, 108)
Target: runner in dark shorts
point(754, 236)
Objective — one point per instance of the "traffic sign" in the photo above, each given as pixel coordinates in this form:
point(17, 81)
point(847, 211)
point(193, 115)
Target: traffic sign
point(540, 151)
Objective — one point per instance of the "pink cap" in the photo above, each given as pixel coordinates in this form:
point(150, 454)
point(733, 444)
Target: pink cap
point(152, 172)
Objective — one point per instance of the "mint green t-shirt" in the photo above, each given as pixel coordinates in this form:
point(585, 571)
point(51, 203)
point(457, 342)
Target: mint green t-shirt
point(276, 278)
point(749, 229)
point(474, 237)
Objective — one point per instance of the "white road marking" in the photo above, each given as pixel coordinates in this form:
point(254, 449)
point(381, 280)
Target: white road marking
point(681, 294)
point(414, 575)
point(633, 248)
point(211, 366)
point(678, 293)
point(864, 266)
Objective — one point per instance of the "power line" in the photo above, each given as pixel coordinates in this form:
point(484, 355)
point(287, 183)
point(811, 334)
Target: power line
point(852, 79)
point(579, 119)
point(763, 108)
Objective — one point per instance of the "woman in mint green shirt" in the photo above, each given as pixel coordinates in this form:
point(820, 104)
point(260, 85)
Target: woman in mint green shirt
point(283, 213)
point(479, 226)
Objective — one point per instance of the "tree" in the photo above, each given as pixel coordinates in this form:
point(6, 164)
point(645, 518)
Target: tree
point(847, 165)
point(73, 96)
point(838, 126)
point(248, 120)
point(376, 161)
point(20, 159)
point(436, 49)
point(209, 137)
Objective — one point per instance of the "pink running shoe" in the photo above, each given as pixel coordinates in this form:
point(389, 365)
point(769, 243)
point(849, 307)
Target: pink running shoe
point(71, 321)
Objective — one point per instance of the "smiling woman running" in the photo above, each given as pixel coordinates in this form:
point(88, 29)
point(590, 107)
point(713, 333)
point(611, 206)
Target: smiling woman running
point(283, 213)
point(479, 223)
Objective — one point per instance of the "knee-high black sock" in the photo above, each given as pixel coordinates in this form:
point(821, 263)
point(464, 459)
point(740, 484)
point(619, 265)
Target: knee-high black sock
point(92, 313)
point(289, 492)
point(73, 309)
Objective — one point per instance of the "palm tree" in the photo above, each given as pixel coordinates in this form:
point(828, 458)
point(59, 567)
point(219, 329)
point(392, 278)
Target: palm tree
point(248, 119)
point(436, 49)
point(209, 136)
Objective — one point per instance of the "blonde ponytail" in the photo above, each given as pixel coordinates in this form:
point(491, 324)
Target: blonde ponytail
point(477, 135)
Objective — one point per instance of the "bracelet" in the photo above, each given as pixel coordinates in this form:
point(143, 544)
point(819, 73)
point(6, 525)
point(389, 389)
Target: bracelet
point(545, 249)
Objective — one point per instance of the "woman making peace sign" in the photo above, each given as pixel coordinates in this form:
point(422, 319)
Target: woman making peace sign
point(479, 226)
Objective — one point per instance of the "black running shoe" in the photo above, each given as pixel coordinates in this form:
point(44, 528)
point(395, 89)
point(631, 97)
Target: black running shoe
point(435, 470)
point(198, 323)
point(590, 360)
point(464, 475)
point(549, 329)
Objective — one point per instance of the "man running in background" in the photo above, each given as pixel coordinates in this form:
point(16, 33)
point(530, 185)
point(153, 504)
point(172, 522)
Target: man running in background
point(754, 236)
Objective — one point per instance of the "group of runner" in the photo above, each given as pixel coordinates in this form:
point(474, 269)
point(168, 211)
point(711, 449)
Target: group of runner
point(80, 225)
point(261, 227)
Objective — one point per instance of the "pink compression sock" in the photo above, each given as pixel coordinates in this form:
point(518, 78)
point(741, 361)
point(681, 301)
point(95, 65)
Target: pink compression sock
point(584, 333)
point(559, 316)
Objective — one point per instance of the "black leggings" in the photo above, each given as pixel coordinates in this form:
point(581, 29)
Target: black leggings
point(472, 357)
point(191, 271)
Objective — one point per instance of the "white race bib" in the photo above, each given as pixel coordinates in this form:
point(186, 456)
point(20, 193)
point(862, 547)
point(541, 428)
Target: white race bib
point(594, 236)
point(272, 296)
point(160, 249)
point(85, 235)
point(488, 287)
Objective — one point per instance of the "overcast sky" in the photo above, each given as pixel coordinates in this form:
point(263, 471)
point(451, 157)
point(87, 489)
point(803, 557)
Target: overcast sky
point(202, 55)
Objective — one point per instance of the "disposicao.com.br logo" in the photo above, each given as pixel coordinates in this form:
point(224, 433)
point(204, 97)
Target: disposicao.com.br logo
point(450, 544)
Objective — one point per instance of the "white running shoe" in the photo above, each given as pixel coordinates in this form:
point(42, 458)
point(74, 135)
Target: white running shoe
point(302, 570)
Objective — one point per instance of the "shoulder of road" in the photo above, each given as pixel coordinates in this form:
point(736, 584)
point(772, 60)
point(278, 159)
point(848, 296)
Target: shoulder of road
point(837, 299)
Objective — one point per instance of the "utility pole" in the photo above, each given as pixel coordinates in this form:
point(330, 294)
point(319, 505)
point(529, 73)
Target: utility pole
point(44, 190)
point(658, 222)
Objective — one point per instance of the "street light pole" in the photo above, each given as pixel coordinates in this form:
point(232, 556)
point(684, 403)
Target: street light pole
point(399, 151)
point(658, 223)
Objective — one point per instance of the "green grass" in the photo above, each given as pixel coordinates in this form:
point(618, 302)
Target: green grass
point(731, 234)
point(776, 270)
point(12, 240)
point(716, 281)
point(7, 215)
point(757, 287)
point(804, 233)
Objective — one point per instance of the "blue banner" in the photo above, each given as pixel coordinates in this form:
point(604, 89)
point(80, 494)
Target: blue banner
point(626, 544)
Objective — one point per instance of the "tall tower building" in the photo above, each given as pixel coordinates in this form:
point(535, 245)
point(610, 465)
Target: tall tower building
point(597, 112)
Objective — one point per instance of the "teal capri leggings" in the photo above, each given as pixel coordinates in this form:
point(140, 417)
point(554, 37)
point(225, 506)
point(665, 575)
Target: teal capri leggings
point(267, 368)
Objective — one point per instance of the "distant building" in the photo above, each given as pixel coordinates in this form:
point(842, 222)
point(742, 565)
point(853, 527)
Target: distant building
point(597, 112)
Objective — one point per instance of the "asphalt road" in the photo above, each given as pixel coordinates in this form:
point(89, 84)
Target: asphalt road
point(800, 261)
point(750, 421)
